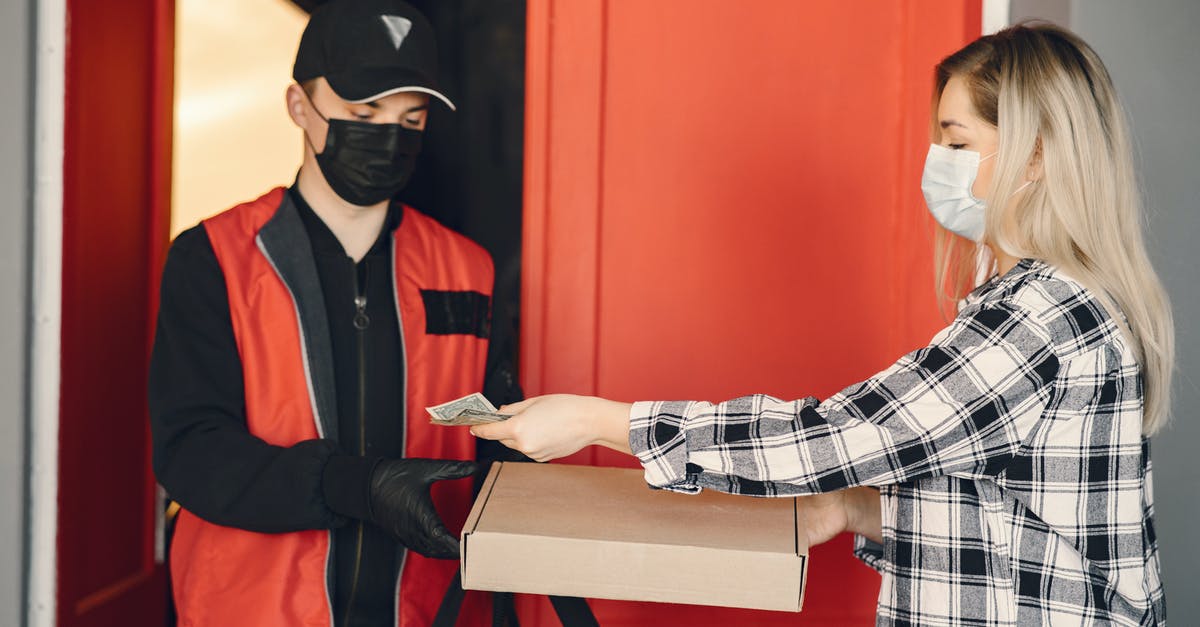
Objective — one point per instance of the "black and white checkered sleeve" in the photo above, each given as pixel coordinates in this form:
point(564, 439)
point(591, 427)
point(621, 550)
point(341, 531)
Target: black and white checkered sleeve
point(960, 406)
point(869, 552)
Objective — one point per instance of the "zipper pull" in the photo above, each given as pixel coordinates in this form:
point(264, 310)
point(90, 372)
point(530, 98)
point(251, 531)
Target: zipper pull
point(361, 321)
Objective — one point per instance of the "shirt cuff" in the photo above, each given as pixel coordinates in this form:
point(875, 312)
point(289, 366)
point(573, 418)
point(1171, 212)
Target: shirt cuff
point(869, 551)
point(346, 484)
point(656, 437)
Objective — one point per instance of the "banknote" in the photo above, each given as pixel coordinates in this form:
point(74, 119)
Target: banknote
point(473, 417)
point(472, 409)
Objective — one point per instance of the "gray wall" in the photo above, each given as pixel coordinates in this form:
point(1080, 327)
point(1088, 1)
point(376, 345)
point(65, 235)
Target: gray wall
point(16, 41)
point(1057, 11)
point(1153, 54)
point(1152, 51)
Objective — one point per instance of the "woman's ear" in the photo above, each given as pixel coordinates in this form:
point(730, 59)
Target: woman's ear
point(1034, 170)
point(296, 97)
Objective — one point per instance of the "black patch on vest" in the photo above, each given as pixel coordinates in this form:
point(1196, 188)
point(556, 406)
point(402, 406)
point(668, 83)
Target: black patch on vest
point(457, 313)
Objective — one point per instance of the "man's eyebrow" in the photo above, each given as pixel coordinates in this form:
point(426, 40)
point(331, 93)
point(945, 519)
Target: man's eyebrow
point(374, 104)
point(949, 123)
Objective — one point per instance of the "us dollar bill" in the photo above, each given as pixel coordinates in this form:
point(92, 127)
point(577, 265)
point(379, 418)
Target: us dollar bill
point(472, 409)
point(473, 417)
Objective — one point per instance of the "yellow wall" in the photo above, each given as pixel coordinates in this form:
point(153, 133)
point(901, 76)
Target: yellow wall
point(233, 138)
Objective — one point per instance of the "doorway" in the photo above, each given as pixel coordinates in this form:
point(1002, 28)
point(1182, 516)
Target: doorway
point(469, 175)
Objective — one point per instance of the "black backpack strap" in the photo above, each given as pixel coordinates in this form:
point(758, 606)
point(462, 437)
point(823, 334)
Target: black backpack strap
point(447, 613)
point(574, 612)
point(504, 611)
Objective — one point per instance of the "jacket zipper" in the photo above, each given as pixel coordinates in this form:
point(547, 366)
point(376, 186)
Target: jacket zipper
point(361, 322)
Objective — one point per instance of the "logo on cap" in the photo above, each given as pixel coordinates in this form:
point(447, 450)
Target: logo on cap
point(397, 28)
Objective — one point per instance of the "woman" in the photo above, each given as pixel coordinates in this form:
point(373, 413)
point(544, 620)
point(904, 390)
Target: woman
point(1010, 455)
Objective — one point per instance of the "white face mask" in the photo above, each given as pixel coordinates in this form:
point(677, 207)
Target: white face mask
point(946, 183)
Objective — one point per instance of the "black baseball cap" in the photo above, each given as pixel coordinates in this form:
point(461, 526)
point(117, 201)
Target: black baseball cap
point(368, 49)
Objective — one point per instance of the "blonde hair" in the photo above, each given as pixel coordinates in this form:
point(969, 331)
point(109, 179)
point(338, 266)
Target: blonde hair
point(1051, 100)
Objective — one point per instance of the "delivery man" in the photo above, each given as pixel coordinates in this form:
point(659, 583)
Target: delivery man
point(300, 336)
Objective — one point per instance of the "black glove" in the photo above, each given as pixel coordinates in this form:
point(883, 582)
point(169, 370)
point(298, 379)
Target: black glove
point(400, 502)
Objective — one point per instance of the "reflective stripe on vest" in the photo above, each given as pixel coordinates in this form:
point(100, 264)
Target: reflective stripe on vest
point(232, 577)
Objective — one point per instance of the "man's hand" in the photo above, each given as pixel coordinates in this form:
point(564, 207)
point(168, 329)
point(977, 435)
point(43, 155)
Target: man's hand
point(400, 502)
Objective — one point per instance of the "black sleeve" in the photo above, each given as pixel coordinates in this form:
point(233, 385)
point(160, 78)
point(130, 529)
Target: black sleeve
point(203, 453)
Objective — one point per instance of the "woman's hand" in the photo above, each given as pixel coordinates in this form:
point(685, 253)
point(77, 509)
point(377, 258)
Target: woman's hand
point(825, 516)
point(855, 510)
point(557, 425)
point(553, 426)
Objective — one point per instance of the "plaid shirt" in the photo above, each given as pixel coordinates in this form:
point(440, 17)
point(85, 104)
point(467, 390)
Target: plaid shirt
point(1014, 478)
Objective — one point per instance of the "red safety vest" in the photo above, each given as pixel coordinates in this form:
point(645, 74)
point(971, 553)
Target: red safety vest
point(228, 577)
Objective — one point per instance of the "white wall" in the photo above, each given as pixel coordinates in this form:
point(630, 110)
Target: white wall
point(16, 67)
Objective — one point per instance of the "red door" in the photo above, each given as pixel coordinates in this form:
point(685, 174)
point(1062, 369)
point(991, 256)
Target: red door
point(116, 174)
point(724, 199)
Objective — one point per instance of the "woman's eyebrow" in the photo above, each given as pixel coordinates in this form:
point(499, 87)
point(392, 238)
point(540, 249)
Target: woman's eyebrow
point(949, 123)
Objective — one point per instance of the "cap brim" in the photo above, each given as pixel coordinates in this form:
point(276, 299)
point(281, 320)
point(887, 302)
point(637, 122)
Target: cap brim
point(368, 84)
point(424, 90)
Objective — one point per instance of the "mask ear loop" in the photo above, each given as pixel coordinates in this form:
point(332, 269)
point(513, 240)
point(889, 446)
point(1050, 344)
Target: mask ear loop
point(324, 119)
point(314, 106)
point(1015, 191)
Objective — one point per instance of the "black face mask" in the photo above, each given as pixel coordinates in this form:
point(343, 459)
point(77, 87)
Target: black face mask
point(367, 163)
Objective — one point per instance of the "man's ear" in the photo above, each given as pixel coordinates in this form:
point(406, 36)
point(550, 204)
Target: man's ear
point(296, 98)
point(1033, 169)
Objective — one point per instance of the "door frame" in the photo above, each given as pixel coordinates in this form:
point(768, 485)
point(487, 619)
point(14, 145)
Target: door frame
point(45, 360)
point(50, 58)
